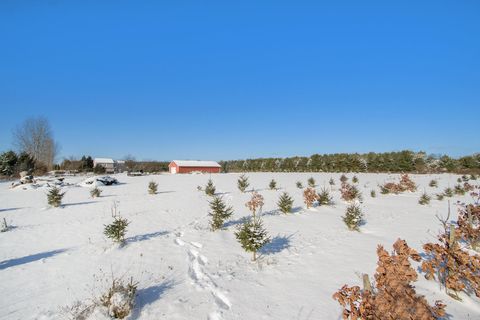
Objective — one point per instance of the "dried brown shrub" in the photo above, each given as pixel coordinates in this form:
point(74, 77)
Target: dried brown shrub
point(454, 267)
point(350, 192)
point(405, 184)
point(394, 296)
point(255, 203)
point(309, 197)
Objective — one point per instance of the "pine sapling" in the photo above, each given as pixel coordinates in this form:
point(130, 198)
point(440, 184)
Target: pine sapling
point(311, 182)
point(355, 179)
point(343, 178)
point(285, 203)
point(440, 196)
point(219, 213)
point(4, 226)
point(118, 228)
point(459, 190)
point(373, 193)
point(95, 192)
point(448, 192)
point(433, 183)
point(252, 235)
point(424, 199)
point(152, 187)
point(353, 217)
point(331, 182)
point(324, 198)
point(242, 183)
point(210, 188)
point(299, 185)
point(54, 196)
point(273, 185)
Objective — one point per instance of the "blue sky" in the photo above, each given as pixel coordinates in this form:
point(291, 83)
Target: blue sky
point(223, 80)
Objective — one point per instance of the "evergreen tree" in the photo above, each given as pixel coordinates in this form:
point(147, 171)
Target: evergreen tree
point(343, 178)
point(353, 217)
point(219, 213)
point(324, 198)
point(311, 182)
point(8, 161)
point(424, 199)
point(95, 192)
point(25, 163)
point(459, 190)
point(440, 196)
point(355, 179)
point(331, 182)
point(152, 187)
point(210, 188)
point(285, 203)
point(273, 185)
point(99, 169)
point(252, 235)
point(448, 192)
point(299, 185)
point(433, 183)
point(373, 193)
point(243, 183)
point(54, 196)
point(117, 229)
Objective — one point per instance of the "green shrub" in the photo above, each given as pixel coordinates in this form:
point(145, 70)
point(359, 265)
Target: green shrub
point(424, 199)
point(210, 188)
point(219, 213)
point(152, 187)
point(353, 217)
point(54, 196)
point(285, 203)
point(242, 183)
point(252, 236)
point(273, 185)
point(324, 197)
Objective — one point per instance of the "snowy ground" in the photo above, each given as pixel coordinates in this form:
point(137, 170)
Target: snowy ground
point(56, 256)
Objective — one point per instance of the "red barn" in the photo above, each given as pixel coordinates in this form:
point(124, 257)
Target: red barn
point(187, 166)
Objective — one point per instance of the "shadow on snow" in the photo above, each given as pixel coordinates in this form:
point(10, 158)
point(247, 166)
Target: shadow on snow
point(148, 296)
point(31, 258)
point(276, 245)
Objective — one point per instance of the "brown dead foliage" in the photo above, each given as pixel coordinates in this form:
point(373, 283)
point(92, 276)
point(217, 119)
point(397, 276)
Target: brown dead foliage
point(394, 296)
point(350, 192)
point(454, 267)
point(309, 197)
point(405, 184)
point(255, 203)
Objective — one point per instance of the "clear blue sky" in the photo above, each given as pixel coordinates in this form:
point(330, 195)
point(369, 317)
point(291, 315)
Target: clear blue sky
point(180, 79)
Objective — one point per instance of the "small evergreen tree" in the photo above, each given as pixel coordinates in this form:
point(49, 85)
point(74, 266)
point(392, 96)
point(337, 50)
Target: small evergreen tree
point(355, 179)
point(252, 236)
point(285, 203)
point(99, 169)
point(219, 213)
point(353, 217)
point(210, 188)
point(299, 185)
point(448, 192)
point(273, 185)
point(459, 180)
point(331, 182)
point(152, 187)
point(54, 196)
point(459, 190)
point(118, 228)
point(242, 183)
point(373, 193)
point(324, 198)
point(311, 182)
point(433, 184)
point(343, 178)
point(440, 196)
point(95, 192)
point(424, 199)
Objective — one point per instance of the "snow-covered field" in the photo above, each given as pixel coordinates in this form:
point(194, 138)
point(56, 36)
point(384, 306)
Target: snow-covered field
point(56, 256)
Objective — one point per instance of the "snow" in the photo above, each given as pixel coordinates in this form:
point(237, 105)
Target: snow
point(196, 163)
point(55, 257)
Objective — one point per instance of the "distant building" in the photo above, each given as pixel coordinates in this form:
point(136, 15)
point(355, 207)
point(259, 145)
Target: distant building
point(110, 165)
point(187, 166)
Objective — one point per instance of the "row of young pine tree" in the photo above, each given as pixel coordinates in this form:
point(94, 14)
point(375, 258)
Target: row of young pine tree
point(403, 161)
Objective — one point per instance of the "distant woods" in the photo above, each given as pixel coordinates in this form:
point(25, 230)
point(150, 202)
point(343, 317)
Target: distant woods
point(403, 161)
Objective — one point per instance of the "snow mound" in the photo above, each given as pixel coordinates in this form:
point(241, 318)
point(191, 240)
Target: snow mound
point(98, 181)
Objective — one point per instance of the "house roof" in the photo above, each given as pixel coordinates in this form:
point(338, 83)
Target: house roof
point(196, 163)
point(103, 160)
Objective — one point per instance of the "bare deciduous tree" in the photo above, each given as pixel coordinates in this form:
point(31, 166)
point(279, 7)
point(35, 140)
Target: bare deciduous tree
point(35, 137)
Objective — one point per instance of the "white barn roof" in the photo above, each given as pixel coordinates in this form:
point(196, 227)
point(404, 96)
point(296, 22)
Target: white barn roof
point(196, 163)
point(103, 160)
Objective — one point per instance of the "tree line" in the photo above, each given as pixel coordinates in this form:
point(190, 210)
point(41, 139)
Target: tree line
point(402, 161)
